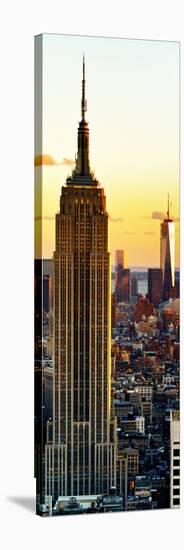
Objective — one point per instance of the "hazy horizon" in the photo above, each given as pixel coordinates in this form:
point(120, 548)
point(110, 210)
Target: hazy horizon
point(131, 267)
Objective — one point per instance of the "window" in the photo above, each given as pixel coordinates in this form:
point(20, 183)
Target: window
point(176, 501)
point(176, 472)
point(176, 482)
point(176, 492)
point(176, 452)
point(176, 462)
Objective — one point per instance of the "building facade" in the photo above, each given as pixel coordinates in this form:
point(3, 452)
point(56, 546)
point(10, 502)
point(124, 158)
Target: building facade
point(155, 286)
point(174, 459)
point(142, 309)
point(126, 285)
point(134, 288)
point(122, 278)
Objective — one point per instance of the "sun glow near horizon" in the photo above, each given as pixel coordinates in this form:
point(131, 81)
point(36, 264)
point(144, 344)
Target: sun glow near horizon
point(133, 112)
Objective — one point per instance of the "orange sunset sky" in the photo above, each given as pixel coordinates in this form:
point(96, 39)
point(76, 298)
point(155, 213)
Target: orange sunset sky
point(132, 89)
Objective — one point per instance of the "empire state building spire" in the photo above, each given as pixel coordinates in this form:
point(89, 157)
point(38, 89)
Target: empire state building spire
point(83, 102)
point(82, 164)
point(82, 174)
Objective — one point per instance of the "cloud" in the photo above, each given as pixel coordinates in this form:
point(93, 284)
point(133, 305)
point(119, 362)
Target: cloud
point(44, 160)
point(158, 215)
point(48, 160)
point(162, 215)
point(67, 162)
point(116, 219)
point(48, 218)
point(149, 233)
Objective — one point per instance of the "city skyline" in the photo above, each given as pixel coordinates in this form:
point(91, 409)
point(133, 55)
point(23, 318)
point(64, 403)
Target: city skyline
point(134, 125)
point(106, 362)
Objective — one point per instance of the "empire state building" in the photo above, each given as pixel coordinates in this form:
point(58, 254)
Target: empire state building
point(82, 458)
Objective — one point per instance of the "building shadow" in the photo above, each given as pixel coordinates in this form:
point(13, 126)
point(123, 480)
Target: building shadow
point(28, 503)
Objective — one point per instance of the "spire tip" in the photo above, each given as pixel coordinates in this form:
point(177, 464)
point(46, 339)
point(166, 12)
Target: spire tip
point(83, 102)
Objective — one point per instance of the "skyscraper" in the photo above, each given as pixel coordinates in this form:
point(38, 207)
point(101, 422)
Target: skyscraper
point(134, 288)
point(126, 285)
point(155, 286)
point(122, 278)
point(82, 457)
point(167, 254)
point(119, 259)
point(119, 266)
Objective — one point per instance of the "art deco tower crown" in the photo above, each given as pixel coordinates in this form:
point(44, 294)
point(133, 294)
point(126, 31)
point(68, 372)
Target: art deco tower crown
point(82, 174)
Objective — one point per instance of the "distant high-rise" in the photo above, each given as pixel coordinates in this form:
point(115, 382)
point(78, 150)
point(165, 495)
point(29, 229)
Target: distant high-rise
point(125, 294)
point(120, 259)
point(82, 458)
point(113, 310)
point(47, 293)
point(119, 266)
point(155, 286)
point(167, 243)
point(122, 278)
point(134, 287)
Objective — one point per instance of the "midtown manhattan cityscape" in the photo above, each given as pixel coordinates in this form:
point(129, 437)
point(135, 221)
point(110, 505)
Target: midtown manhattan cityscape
point(106, 361)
